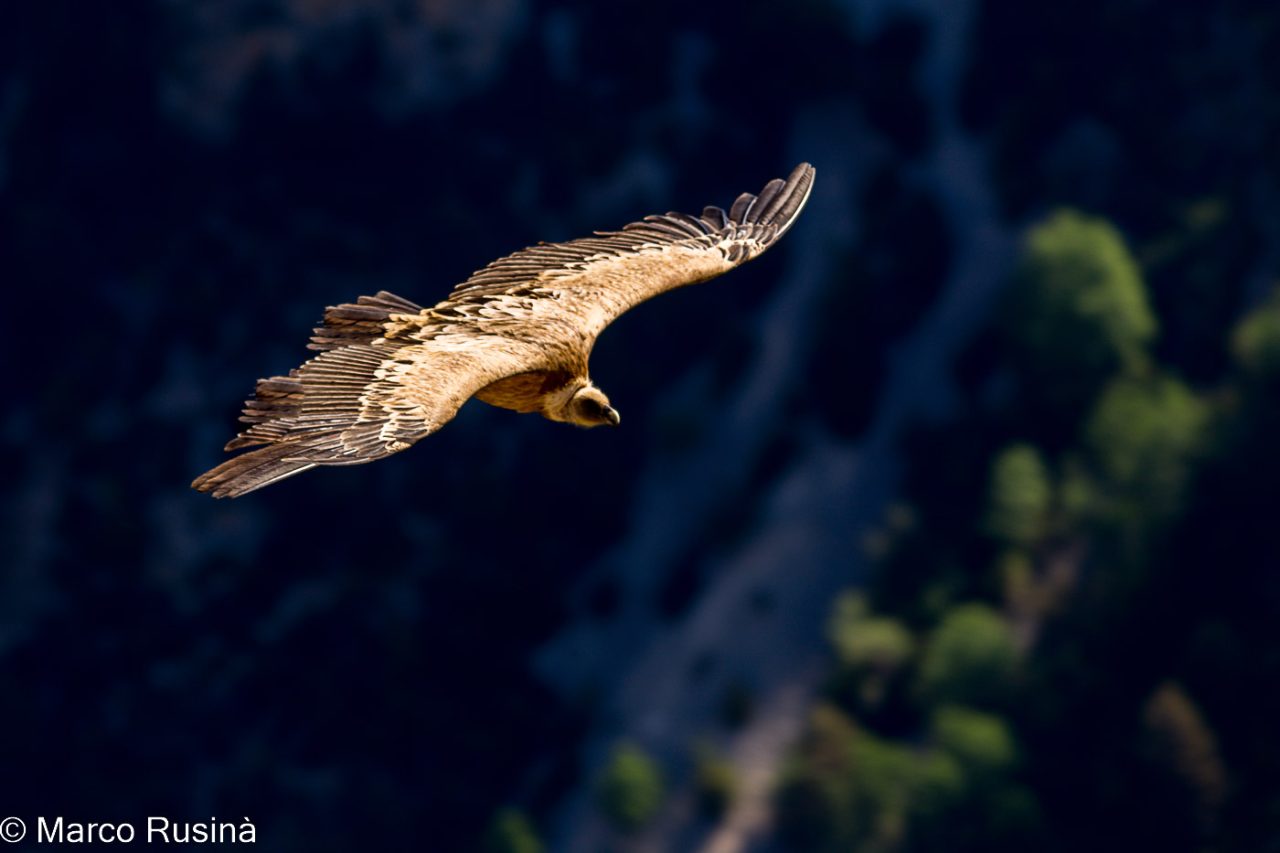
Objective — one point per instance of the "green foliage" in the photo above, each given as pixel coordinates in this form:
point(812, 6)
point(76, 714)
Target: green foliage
point(873, 651)
point(1020, 495)
point(630, 790)
point(1255, 342)
point(1018, 583)
point(1144, 434)
point(713, 781)
point(981, 742)
point(864, 640)
point(937, 784)
point(815, 797)
point(896, 784)
point(1078, 308)
point(848, 789)
point(511, 832)
point(970, 657)
point(1077, 492)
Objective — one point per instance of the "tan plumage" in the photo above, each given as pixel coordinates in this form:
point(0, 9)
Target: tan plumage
point(516, 334)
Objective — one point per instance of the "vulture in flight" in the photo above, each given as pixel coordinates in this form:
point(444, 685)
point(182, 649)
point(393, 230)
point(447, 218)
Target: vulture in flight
point(516, 334)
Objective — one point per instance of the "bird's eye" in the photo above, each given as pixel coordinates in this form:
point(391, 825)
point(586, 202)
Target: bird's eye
point(591, 408)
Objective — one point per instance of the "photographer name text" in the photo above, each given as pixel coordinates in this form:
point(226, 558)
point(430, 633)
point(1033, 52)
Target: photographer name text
point(157, 830)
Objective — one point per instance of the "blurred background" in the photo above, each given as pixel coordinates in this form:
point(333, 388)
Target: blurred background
point(946, 525)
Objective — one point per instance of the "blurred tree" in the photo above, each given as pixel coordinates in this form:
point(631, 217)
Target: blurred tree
point(511, 832)
point(873, 649)
point(1144, 433)
point(815, 797)
point(970, 658)
point(938, 784)
point(714, 781)
point(1019, 496)
point(1255, 342)
point(1077, 309)
point(1077, 491)
point(847, 789)
point(630, 789)
point(1018, 586)
point(991, 809)
point(981, 742)
point(1181, 742)
point(893, 782)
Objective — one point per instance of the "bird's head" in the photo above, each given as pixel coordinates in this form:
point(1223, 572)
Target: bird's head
point(589, 407)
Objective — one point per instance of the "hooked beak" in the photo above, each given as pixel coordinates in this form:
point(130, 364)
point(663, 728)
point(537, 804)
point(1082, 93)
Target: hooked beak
point(611, 414)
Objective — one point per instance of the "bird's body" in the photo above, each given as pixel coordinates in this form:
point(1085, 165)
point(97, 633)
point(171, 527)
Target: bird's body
point(517, 334)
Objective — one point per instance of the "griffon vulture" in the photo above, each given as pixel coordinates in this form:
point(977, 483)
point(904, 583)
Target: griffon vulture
point(516, 334)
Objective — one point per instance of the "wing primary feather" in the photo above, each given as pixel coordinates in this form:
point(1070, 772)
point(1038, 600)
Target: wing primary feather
point(751, 224)
point(691, 223)
point(741, 206)
point(398, 304)
point(763, 200)
point(786, 204)
point(251, 471)
point(359, 322)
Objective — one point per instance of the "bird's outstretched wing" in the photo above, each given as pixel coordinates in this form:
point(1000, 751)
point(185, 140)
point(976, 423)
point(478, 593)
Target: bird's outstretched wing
point(595, 279)
point(363, 397)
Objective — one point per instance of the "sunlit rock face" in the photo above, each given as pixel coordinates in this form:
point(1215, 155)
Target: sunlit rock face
point(412, 54)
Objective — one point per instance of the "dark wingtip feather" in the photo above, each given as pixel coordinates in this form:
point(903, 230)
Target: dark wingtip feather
point(358, 322)
point(715, 217)
point(764, 199)
point(251, 471)
point(778, 203)
point(741, 207)
point(784, 205)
